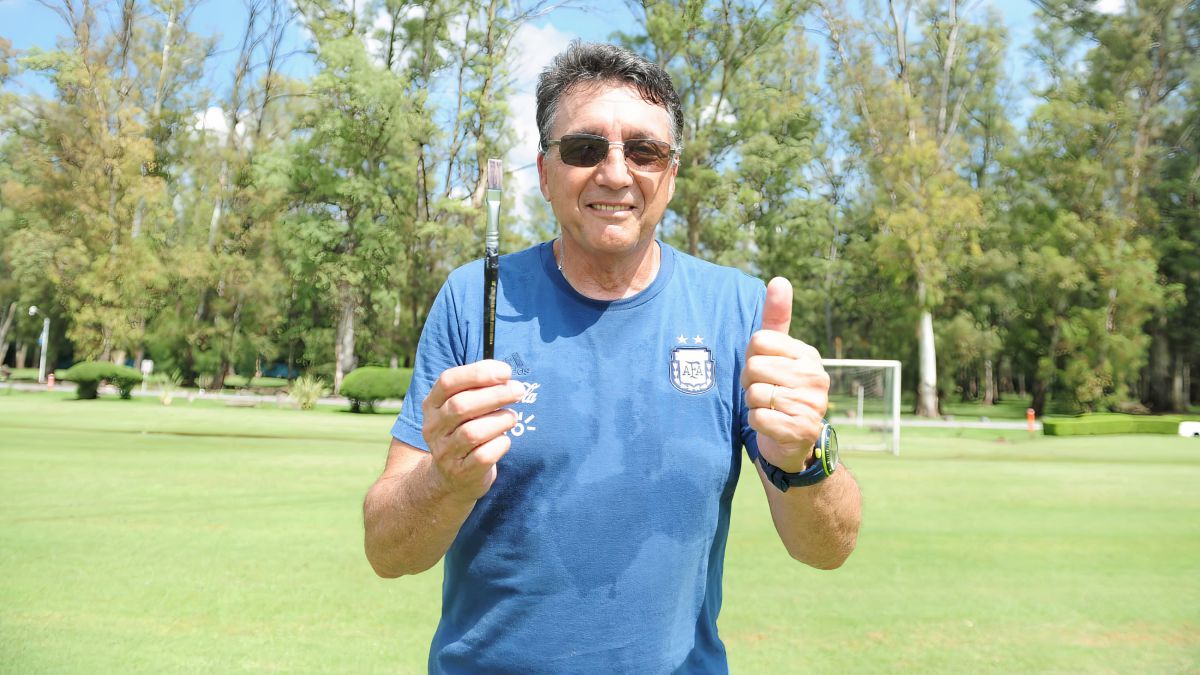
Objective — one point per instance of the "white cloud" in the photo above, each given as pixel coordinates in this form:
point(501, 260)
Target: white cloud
point(534, 49)
point(213, 121)
point(1110, 6)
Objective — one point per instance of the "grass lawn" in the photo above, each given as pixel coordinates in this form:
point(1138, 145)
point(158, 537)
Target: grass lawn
point(200, 538)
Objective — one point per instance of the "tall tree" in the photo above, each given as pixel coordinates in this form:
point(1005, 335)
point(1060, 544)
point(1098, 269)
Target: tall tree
point(89, 167)
point(906, 100)
point(1091, 155)
point(350, 190)
point(456, 59)
point(223, 263)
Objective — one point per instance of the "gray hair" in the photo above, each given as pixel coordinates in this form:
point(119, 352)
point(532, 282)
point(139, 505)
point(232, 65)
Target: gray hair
point(586, 63)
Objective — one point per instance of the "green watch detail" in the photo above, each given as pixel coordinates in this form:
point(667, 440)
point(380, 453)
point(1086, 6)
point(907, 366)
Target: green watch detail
point(826, 450)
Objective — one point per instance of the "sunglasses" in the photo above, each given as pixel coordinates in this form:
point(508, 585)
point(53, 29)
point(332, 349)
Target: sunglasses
point(588, 150)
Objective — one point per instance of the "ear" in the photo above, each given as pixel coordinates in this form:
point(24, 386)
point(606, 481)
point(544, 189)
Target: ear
point(542, 180)
point(671, 173)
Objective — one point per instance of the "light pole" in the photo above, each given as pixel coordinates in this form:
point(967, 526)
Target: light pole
point(44, 341)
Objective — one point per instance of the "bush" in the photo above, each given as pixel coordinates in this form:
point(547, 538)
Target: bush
point(87, 376)
point(306, 390)
point(370, 384)
point(1110, 423)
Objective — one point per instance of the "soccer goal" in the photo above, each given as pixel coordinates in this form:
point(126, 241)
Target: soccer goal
point(864, 403)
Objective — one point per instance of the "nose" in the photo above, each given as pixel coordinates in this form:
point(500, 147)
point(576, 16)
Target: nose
point(613, 172)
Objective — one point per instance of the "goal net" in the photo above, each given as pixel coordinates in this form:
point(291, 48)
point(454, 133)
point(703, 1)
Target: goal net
point(864, 403)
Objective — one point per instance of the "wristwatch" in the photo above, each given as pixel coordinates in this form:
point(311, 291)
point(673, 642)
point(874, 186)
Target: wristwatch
point(826, 451)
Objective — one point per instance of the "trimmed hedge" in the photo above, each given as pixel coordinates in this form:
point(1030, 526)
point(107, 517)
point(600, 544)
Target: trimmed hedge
point(368, 385)
point(87, 375)
point(1111, 423)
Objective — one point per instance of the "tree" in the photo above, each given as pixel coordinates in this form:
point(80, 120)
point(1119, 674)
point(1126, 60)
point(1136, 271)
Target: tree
point(1092, 150)
point(927, 215)
point(350, 190)
point(89, 175)
point(222, 261)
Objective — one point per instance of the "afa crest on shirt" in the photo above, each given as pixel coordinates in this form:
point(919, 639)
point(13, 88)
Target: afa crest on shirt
point(692, 369)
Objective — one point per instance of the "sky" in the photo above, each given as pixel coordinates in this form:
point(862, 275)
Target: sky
point(26, 23)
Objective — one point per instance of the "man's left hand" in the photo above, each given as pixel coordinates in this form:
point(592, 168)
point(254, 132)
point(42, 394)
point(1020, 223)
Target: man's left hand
point(787, 388)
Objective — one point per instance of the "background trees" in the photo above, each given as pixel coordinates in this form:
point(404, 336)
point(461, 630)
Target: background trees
point(295, 202)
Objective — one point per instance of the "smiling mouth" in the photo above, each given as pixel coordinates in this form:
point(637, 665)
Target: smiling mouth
point(610, 208)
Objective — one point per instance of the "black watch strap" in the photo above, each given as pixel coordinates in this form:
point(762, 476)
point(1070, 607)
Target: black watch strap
point(784, 480)
point(823, 464)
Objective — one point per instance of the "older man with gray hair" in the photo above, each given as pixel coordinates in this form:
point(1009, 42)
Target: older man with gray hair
point(579, 486)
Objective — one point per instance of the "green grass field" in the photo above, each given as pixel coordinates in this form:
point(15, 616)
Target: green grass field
point(137, 538)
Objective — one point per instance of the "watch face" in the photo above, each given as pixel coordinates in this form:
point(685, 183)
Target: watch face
point(829, 448)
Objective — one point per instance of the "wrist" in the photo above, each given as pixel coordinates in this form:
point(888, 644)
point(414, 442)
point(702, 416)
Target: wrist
point(822, 461)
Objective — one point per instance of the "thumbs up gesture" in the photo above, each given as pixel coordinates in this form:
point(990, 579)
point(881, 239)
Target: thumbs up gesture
point(787, 389)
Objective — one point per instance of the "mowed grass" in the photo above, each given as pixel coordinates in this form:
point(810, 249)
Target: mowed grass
point(137, 538)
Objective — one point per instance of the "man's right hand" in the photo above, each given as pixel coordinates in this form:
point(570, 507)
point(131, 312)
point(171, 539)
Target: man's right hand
point(466, 423)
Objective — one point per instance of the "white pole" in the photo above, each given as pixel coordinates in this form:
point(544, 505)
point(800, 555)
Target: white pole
point(45, 340)
point(860, 405)
point(896, 412)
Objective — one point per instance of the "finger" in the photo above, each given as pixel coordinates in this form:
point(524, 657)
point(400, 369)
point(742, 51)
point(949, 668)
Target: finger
point(777, 309)
point(472, 403)
point(793, 432)
point(471, 376)
point(787, 400)
point(485, 456)
point(784, 371)
point(780, 344)
point(475, 432)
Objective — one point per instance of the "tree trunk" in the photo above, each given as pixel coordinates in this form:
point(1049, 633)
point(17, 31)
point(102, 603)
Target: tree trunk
point(927, 394)
point(927, 398)
point(22, 350)
point(8, 320)
point(214, 223)
point(989, 383)
point(1159, 393)
point(1179, 399)
point(395, 361)
point(218, 382)
point(1039, 398)
point(343, 348)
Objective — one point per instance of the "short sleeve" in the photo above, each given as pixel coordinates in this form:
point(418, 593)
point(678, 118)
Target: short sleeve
point(441, 347)
point(748, 434)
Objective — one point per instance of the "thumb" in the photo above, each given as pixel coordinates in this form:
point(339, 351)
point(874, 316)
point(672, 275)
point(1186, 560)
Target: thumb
point(777, 310)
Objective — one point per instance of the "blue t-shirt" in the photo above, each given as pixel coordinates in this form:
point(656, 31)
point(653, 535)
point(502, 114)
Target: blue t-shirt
point(600, 546)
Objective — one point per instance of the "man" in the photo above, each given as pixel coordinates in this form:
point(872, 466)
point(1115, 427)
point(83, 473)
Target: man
point(580, 489)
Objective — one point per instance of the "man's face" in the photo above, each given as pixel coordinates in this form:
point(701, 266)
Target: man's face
point(608, 210)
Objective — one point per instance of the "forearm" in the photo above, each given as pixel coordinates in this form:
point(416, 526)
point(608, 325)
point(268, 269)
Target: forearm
point(818, 524)
point(411, 520)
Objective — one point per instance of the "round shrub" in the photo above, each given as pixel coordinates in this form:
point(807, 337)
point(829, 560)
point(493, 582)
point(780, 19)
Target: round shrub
point(125, 379)
point(87, 376)
point(370, 384)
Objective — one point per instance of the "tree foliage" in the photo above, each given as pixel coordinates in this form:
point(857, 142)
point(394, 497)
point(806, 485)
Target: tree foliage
point(161, 199)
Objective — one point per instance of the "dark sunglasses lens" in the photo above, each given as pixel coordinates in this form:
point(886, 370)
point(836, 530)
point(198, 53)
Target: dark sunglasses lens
point(648, 154)
point(582, 150)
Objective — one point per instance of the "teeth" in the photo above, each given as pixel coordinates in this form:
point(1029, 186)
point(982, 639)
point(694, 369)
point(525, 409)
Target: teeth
point(610, 207)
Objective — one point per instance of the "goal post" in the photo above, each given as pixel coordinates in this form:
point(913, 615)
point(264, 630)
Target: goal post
point(864, 403)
